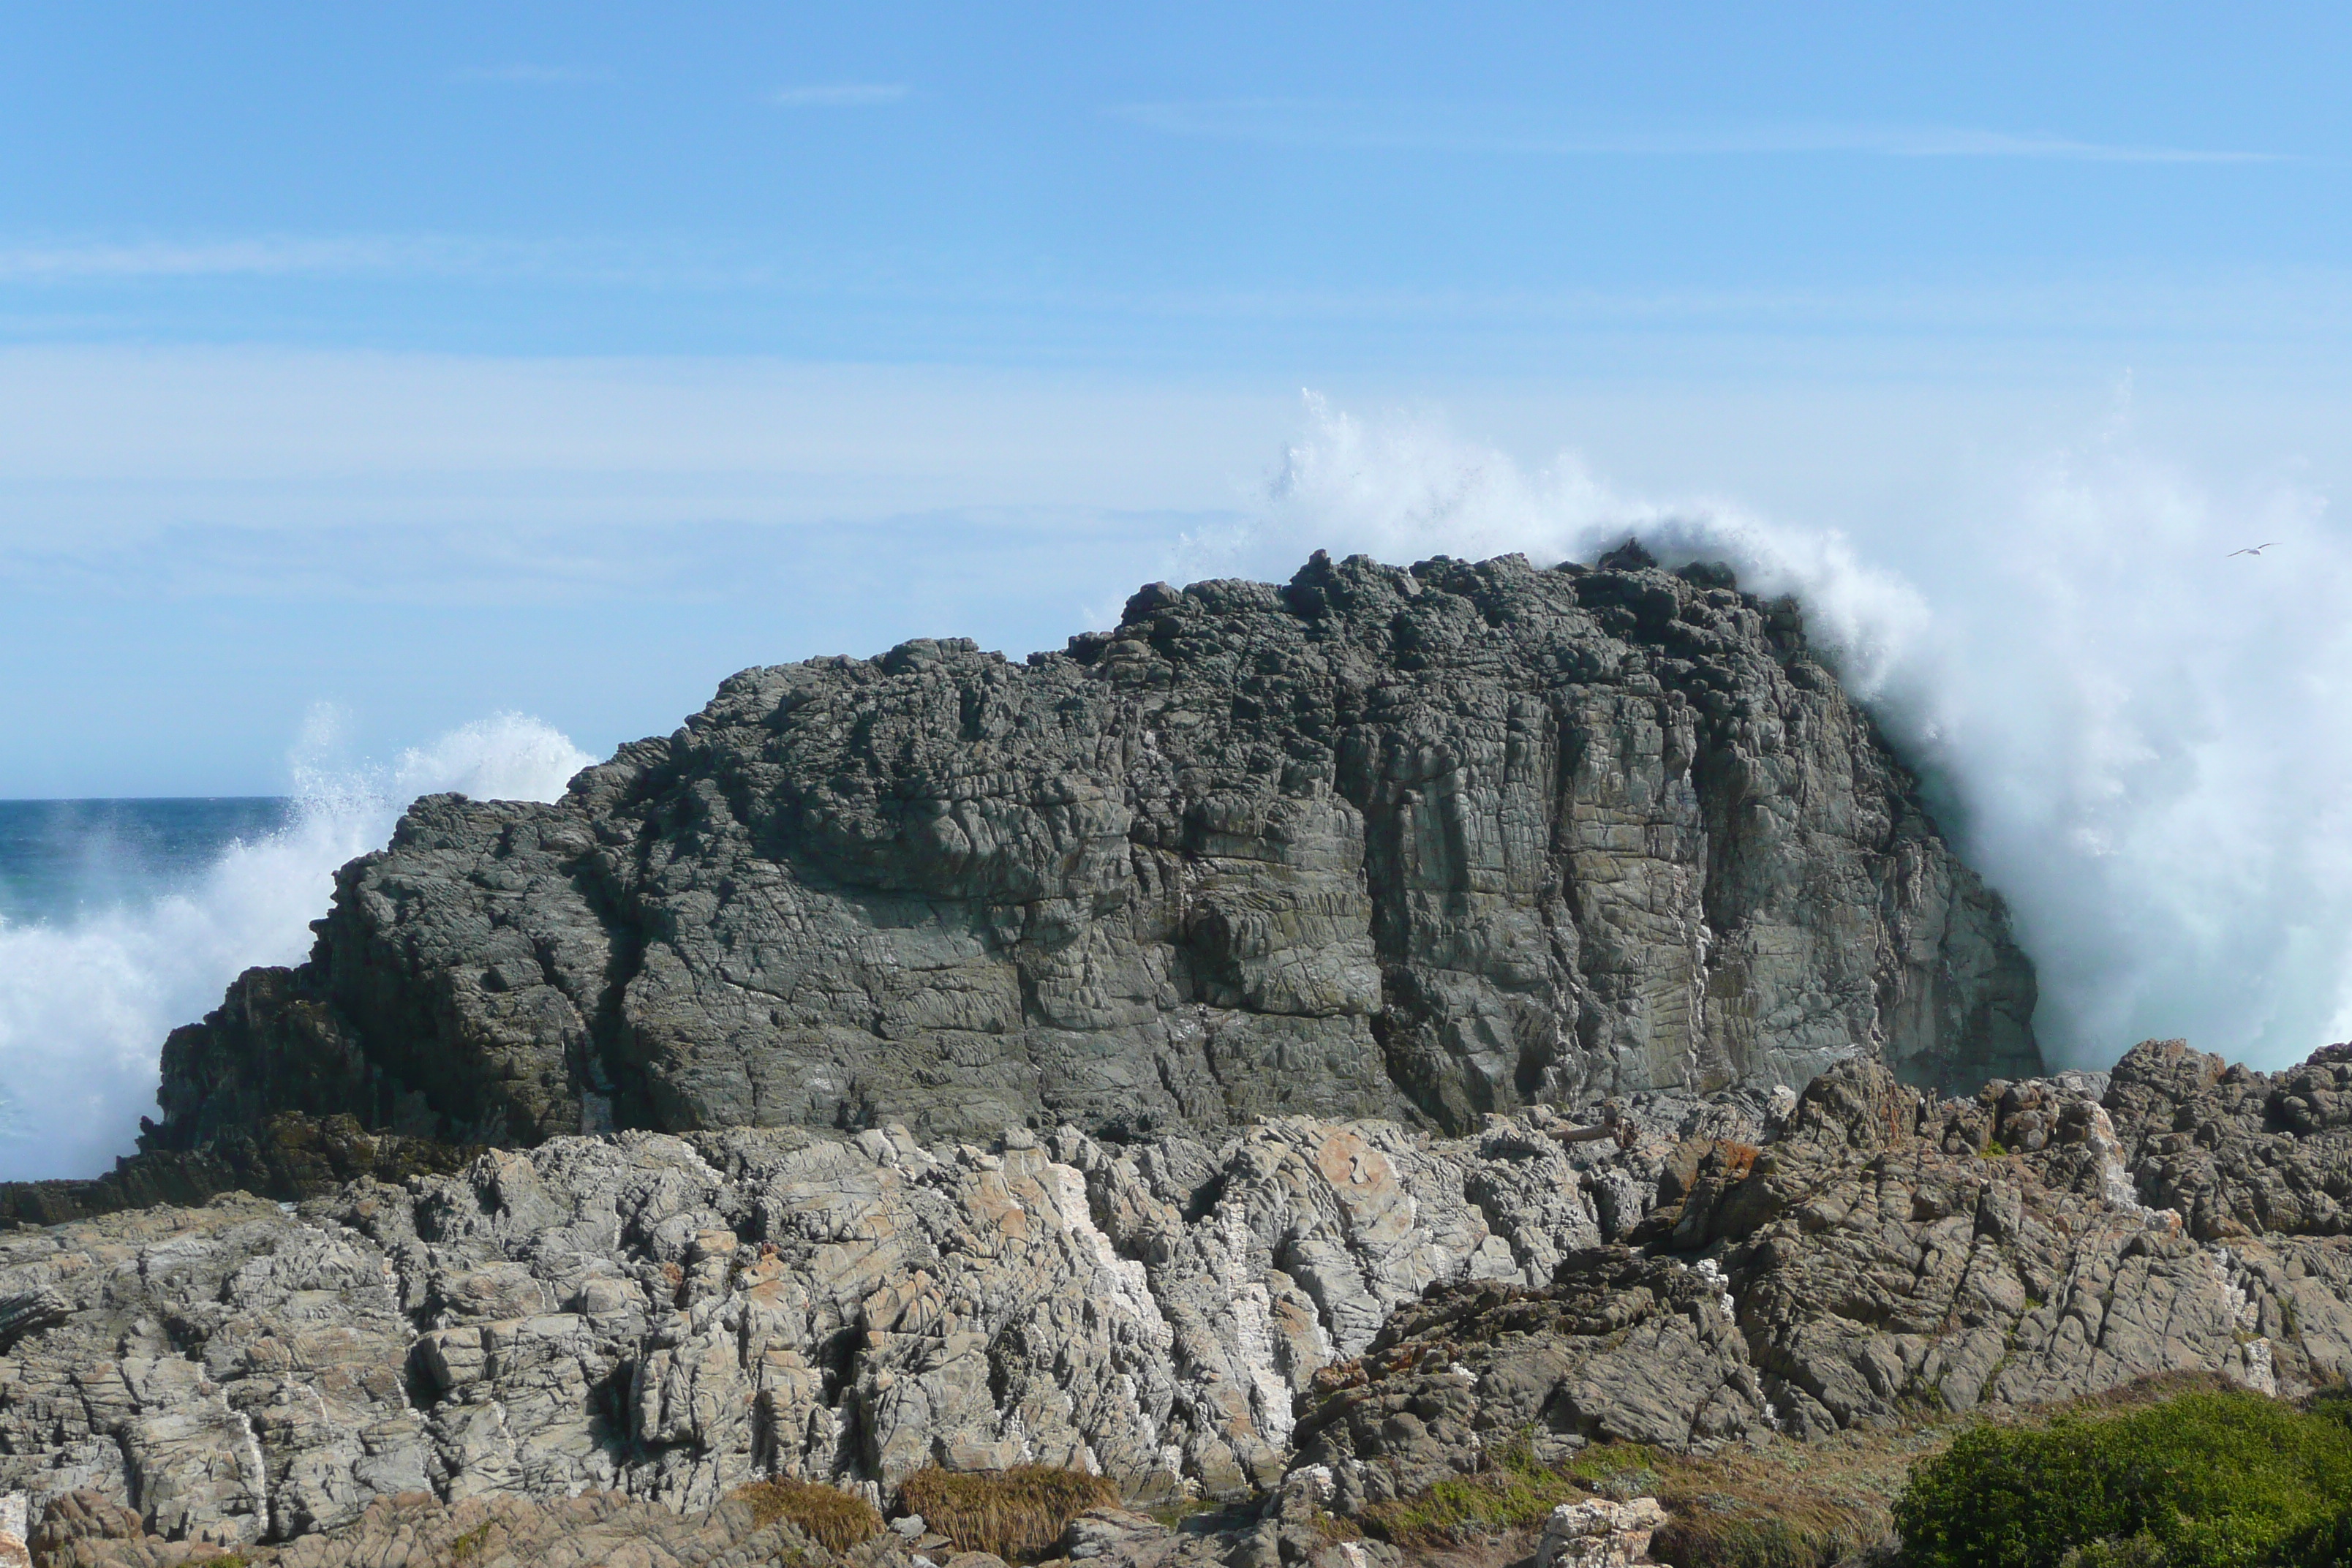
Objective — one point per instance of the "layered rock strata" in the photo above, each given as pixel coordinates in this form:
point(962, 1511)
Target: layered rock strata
point(1889, 1254)
point(663, 1317)
point(1419, 844)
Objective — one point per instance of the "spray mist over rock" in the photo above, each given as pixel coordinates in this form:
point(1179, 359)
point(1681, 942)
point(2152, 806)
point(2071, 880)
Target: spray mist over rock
point(2140, 740)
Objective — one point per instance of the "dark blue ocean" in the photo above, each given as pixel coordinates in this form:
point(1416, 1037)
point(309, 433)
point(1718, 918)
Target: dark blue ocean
point(121, 920)
point(63, 859)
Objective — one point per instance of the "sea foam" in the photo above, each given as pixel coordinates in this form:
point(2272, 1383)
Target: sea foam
point(2139, 738)
point(85, 1002)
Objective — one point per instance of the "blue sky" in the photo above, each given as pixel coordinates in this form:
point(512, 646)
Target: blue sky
point(434, 360)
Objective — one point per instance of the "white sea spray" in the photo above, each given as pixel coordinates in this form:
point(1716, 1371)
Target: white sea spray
point(86, 1001)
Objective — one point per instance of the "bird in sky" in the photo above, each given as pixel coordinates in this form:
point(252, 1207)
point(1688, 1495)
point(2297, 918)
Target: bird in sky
point(2255, 549)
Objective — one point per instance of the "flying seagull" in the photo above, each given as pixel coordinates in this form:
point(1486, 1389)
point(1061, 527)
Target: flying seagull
point(2257, 550)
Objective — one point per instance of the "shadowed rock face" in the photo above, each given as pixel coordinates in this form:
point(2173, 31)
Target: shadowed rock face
point(1418, 844)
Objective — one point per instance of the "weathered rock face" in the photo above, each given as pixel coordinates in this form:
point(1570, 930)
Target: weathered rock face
point(1352, 1309)
point(667, 1318)
point(1419, 844)
point(1888, 1253)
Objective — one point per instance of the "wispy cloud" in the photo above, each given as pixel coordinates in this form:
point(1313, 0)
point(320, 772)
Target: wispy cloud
point(840, 95)
point(533, 75)
point(256, 256)
point(644, 262)
point(1454, 128)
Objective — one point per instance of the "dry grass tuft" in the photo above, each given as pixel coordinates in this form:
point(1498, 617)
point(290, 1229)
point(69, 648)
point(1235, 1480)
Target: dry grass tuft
point(1785, 1505)
point(826, 1515)
point(1788, 1504)
point(1018, 1514)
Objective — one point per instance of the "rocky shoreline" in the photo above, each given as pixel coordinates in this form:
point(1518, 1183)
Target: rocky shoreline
point(1311, 1045)
point(666, 1319)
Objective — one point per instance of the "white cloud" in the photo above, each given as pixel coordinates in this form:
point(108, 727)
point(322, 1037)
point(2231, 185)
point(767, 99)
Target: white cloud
point(128, 437)
point(85, 258)
point(840, 95)
point(1460, 127)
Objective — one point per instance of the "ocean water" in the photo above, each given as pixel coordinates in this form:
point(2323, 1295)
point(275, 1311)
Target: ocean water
point(64, 861)
point(120, 920)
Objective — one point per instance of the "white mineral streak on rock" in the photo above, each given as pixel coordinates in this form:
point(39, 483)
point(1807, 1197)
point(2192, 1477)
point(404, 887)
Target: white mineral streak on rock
point(251, 1470)
point(1245, 1324)
point(2258, 1373)
point(1711, 1271)
point(2115, 1178)
point(1123, 1282)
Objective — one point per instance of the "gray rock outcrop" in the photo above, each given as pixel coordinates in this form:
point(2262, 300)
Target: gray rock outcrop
point(1420, 844)
point(650, 1317)
point(1885, 1254)
point(668, 1319)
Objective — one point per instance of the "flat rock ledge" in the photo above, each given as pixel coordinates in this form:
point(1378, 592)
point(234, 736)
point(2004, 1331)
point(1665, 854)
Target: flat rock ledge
point(638, 1323)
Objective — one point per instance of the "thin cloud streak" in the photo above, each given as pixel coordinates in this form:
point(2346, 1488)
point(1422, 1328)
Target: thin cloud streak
point(840, 95)
point(265, 256)
point(1438, 128)
point(613, 263)
point(533, 75)
point(2267, 302)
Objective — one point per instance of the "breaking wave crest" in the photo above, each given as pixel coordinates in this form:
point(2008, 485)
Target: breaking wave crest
point(85, 1002)
point(2141, 740)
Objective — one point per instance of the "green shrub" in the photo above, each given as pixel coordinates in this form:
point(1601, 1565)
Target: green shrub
point(1018, 1514)
point(2205, 1481)
point(826, 1515)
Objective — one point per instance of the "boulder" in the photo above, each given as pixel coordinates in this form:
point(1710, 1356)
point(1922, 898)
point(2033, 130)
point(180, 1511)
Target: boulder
point(1599, 1534)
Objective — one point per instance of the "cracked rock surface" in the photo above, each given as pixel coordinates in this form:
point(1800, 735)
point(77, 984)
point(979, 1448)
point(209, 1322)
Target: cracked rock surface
point(1420, 844)
point(667, 1318)
point(1885, 1252)
point(1308, 1313)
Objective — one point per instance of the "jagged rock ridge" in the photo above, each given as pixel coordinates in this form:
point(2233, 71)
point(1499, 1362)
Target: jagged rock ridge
point(664, 1316)
point(1417, 844)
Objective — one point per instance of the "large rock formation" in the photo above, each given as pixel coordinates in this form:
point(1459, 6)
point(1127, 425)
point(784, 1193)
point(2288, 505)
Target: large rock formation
point(1352, 1304)
point(1415, 844)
